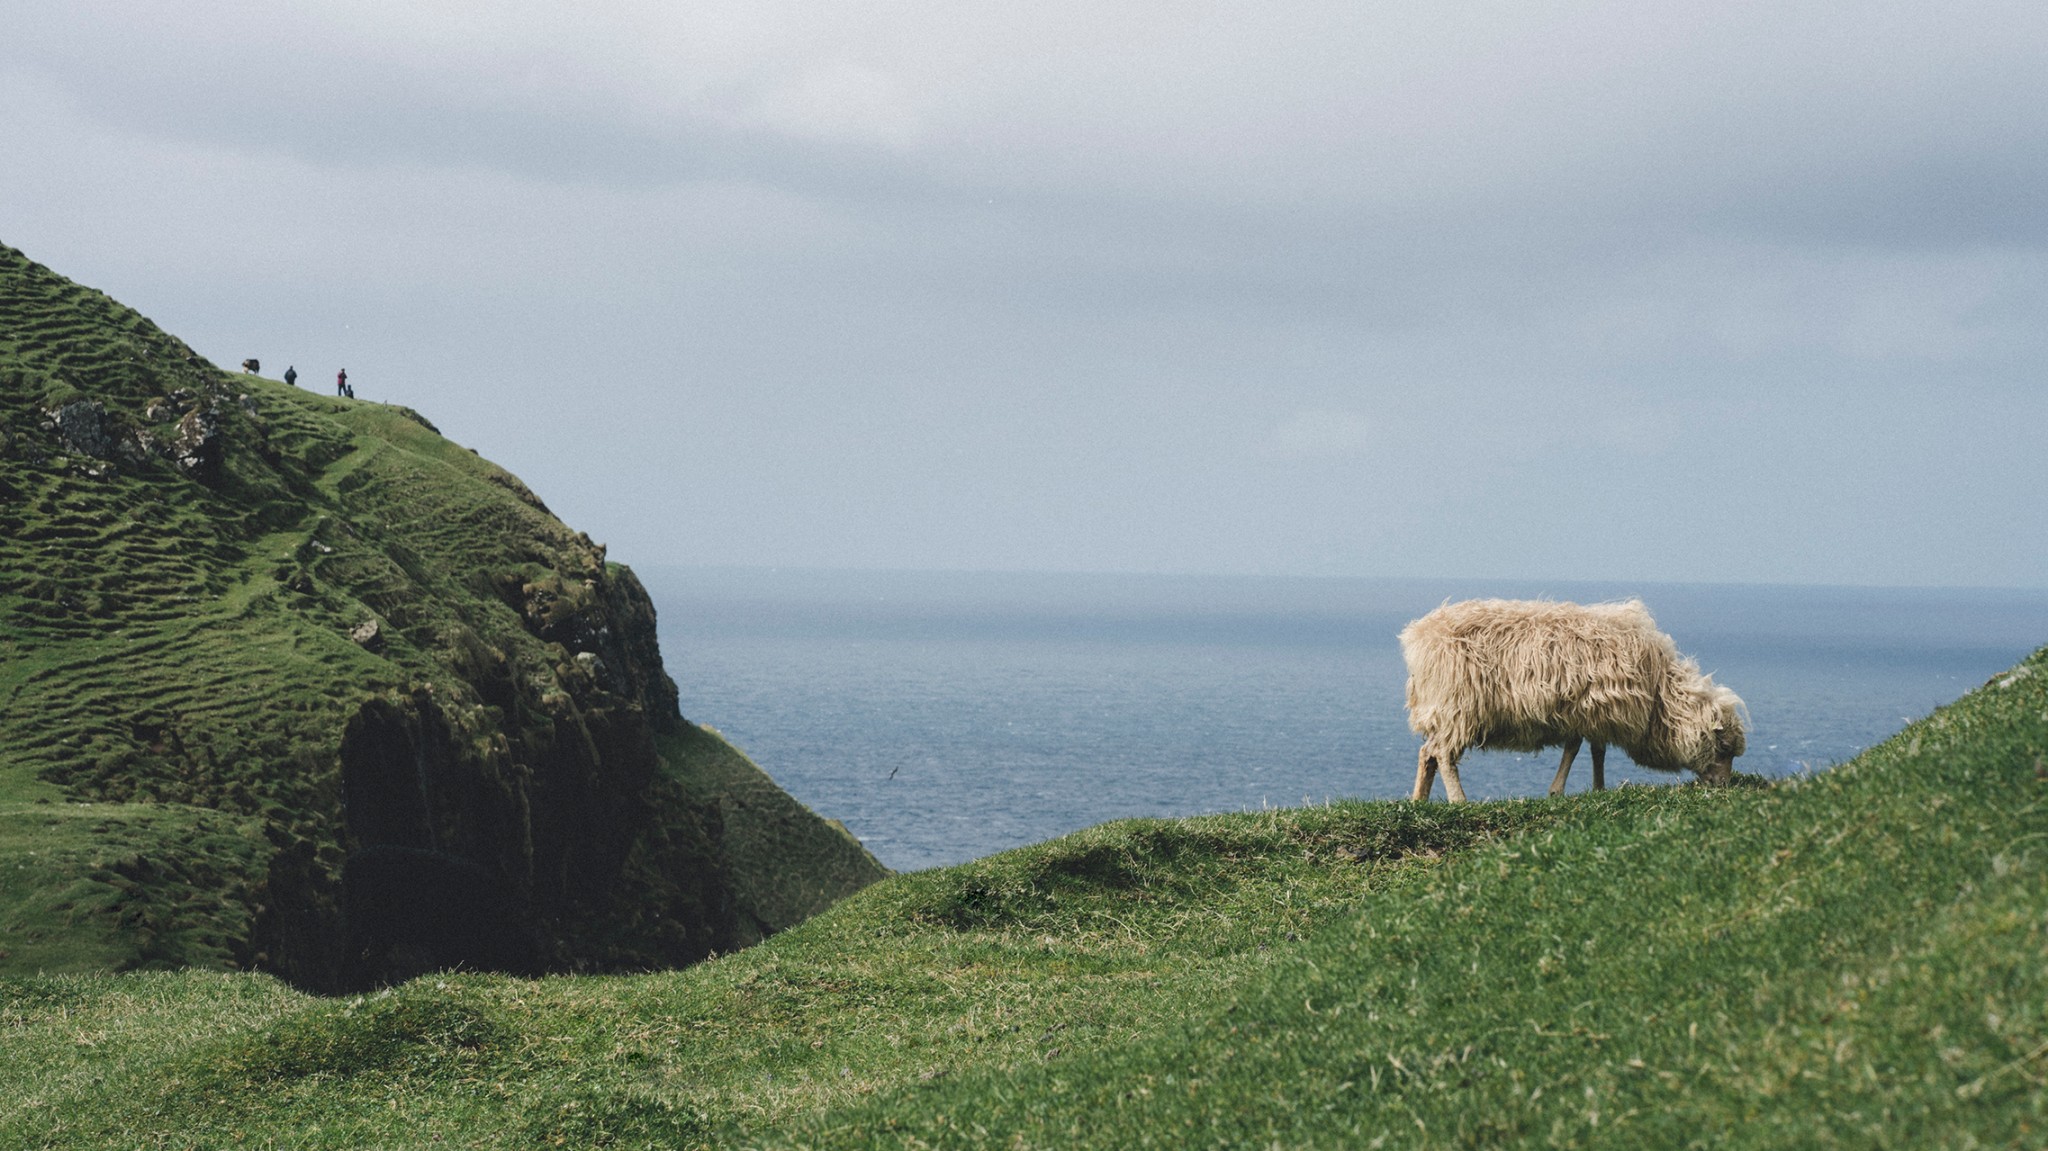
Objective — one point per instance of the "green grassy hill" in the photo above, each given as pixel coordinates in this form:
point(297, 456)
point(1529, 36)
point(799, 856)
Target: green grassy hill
point(1859, 959)
point(249, 633)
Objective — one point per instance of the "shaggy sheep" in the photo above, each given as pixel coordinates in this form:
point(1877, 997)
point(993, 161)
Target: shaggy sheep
point(1525, 675)
point(252, 365)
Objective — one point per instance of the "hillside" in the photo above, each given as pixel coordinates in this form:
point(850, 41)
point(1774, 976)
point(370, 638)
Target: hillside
point(1857, 959)
point(254, 639)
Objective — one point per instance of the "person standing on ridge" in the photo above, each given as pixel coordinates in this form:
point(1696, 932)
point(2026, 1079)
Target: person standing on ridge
point(341, 383)
point(291, 375)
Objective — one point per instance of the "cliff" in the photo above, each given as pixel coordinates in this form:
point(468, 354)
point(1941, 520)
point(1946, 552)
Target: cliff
point(292, 682)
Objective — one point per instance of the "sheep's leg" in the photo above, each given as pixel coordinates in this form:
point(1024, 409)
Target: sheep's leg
point(1453, 790)
point(1599, 766)
point(1425, 774)
point(1564, 766)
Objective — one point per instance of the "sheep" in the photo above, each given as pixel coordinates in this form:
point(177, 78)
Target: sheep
point(1530, 674)
point(252, 365)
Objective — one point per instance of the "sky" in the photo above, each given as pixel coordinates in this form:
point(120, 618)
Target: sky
point(1527, 290)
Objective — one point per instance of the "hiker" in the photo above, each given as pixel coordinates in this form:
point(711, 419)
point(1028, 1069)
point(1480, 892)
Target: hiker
point(291, 375)
point(341, 383)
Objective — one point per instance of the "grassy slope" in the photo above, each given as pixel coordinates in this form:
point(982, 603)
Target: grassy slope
point(786, 863)
point(1858, 959)
point(176, 668)
point(107, 593)
point(107, 886)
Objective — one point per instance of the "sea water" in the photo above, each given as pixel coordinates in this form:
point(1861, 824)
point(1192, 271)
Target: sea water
point(944, 716)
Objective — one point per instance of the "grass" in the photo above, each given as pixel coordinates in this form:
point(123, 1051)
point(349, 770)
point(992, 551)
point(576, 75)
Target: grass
point(1857, 959)
point(100, 886)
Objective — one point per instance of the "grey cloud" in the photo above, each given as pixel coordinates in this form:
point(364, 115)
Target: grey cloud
point(1398, 289)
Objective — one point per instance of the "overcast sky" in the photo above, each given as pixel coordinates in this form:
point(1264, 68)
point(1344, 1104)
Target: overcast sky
point(1638, 291)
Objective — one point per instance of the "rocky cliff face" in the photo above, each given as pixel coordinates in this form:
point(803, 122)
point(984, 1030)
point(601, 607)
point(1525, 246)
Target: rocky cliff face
point(445, 710)
point(527, 781)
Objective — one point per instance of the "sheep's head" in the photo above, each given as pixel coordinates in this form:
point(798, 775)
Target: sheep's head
point(1730, 736)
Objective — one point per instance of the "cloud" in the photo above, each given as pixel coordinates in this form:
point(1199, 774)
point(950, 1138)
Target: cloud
point(1783, 117)
point(1118, 257)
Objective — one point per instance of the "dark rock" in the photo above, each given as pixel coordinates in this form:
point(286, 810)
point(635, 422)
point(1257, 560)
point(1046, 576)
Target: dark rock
point(198, 448)
point(84, 428)
point(593, 665)
point(390, 755)
point(409, 911)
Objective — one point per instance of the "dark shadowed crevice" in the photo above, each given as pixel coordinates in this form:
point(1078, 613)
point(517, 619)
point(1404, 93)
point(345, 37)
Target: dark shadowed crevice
point(383, 778)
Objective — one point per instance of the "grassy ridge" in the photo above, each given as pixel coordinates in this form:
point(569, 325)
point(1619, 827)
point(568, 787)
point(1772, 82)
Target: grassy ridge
point(1857, 959)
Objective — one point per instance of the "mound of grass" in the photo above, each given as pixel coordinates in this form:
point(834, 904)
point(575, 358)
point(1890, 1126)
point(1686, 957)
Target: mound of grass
point(107, 886)
point(227, 602)
point(1856, 959)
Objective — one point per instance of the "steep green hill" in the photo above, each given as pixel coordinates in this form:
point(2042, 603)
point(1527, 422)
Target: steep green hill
point(252, 638)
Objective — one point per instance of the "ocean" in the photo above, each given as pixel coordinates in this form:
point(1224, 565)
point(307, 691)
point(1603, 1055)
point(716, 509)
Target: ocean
point(945, 716)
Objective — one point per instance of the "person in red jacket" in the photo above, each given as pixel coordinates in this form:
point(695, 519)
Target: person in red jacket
point(341, 383)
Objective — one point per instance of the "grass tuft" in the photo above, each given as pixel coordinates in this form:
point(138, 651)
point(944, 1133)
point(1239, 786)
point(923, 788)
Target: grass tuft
point(428, 1027)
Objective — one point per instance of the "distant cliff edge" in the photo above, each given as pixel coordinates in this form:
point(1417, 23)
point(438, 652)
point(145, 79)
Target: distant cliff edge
point(291, 682)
